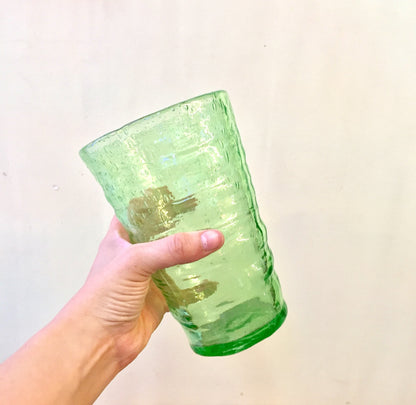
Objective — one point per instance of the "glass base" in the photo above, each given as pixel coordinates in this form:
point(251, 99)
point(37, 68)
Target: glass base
point(245, 342)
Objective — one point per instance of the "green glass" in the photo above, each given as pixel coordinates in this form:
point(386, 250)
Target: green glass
point(184, 169)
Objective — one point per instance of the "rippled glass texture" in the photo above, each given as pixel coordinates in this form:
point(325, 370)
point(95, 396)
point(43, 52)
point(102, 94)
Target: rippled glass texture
point(184, 169)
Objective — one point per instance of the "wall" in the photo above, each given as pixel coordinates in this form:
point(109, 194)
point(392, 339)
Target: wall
point(324, 95)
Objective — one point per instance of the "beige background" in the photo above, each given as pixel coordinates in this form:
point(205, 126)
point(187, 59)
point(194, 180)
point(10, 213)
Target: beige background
point(324, 95)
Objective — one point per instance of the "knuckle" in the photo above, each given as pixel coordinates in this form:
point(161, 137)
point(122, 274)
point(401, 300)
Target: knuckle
point(177, 245)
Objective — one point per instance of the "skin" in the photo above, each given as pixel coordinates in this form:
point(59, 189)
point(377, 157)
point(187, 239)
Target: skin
point(105, 325)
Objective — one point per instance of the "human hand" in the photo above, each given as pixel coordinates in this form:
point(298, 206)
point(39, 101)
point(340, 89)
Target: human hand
point(105, 325)
point(122, 298)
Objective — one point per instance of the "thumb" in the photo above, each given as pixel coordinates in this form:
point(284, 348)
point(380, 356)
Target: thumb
point(176, 249)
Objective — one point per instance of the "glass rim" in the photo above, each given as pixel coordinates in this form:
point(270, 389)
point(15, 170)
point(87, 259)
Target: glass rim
point(108, 135)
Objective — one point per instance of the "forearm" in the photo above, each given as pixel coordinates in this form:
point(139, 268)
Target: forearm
point(105, 326)
point(70, 361)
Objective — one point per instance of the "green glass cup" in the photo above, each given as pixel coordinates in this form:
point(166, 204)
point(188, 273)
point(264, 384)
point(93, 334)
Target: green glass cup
point(184, 169)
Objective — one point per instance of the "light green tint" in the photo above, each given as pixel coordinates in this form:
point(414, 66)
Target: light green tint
point(183, 169)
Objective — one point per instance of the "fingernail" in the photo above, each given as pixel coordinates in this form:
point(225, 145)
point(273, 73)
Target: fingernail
point(210, 240)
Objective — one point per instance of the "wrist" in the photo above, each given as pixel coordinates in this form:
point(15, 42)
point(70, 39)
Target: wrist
point(89, 359)
point(86, 332)
point(118, 343)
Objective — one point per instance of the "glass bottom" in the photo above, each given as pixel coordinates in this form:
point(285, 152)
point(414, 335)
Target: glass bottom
point(224, 349)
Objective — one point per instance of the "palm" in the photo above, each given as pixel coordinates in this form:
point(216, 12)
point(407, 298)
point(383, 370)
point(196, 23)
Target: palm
point(129, 304)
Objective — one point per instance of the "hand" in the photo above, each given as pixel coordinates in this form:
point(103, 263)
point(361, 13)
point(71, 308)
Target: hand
point(122, 297)
point(106, 324)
